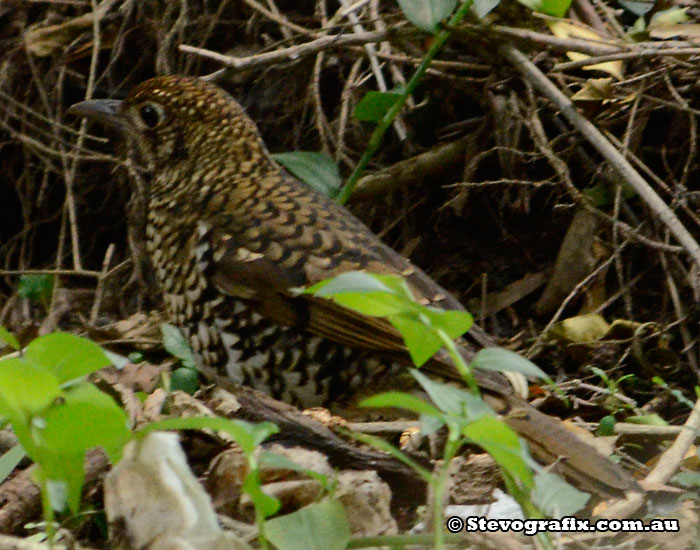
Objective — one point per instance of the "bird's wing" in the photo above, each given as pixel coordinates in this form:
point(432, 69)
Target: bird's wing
point(268, 287)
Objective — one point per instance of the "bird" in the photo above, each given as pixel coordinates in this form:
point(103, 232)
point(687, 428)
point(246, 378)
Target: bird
point(231, 235)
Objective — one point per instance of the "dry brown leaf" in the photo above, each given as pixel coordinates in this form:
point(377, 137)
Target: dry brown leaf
point(595, 89)
point(566, 29)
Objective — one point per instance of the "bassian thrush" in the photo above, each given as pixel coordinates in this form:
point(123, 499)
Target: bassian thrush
point(230, 233)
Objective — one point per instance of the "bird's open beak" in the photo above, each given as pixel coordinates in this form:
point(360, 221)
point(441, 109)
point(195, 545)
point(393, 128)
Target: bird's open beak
point(105, 111)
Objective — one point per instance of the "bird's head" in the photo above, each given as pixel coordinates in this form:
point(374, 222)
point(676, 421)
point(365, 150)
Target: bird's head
point(176, 120)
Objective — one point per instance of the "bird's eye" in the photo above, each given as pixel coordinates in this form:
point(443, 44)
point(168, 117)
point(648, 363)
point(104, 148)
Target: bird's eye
point(151, 115)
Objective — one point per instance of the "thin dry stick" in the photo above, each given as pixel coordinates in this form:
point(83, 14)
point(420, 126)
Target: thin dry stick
point(291, 53)
point(345, 100)
point(99, 291)
point(611, 18)
point(353, 7)
point(57, 272)
point(279, 19)
point(590, 16)
point(692, 142)
point(609, 152)
point(324, 132)
point(594, 60)
point(580, 45)
point(371, 52)
point(71, 168)
point(671, 458)
point(636, 161)
point(284, 29)
point(680, 314)
point(385, 47)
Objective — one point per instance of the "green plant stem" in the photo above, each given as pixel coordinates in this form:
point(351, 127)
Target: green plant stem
point(531, 511)
point(440, 486)
point(47, 509)
point(461, 366)
point(378, 135)
point(260, 523)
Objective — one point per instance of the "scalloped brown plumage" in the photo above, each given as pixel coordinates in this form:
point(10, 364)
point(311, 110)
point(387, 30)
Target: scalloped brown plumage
point(229, 233)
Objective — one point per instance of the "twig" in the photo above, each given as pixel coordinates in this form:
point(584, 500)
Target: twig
point(99, 291)
point(385, 47)
point(680, 314)
point(291, 53)
point(412, 169)
point(590, 47)
point(279, 19)
point(345, 101)
point(62, 272)
point(284, 29)
point(609, 152)
point(324, 133)
point(627, 428)
point(371, 52)
point(594, 60)
point(672, 457)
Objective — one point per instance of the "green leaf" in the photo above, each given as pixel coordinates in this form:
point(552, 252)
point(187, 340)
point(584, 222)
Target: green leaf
point(361, 281)
point(367, 293)
point(637, 7)
point(502, 360)
point(606, 426)
point(319, 526)
point(66, 355)
point(64, 475)
point(184, 379)
point(687, 479)
point(374, 105)
point(87, 418)
point(453, 323)
point(430, 424)
point(652, 419)
point(603, 194)
point(421, 341)
point(401, 400)
point(452, 400)
point(555, 497)
point(25, 389)
point(261, 431)
point(318, 171)
point(175, 344)
point(427, 14)
point(266, 504)
point(502, 443)
point(484, 7)
point(35, 288)
point(9, 338)
point(9, 461)
point(557, 8)
point(351, 281)
point(374, 304)
point(534, 5)
point(118, 360)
